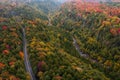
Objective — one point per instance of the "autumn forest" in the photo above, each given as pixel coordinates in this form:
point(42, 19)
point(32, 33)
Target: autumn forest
point(59, 40)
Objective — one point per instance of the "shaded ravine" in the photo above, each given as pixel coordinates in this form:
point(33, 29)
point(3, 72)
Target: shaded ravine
point(26, 58)
point(86, 56)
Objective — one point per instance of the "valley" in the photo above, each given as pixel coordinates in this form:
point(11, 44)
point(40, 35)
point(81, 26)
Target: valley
point(57, 40)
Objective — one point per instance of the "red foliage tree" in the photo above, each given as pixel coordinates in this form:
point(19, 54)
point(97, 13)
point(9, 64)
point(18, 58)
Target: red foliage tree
point(41, 66)
point(4, 27)
point(5, 52)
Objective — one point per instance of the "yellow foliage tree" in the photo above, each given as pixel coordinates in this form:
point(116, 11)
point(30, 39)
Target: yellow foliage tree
point(91, 40)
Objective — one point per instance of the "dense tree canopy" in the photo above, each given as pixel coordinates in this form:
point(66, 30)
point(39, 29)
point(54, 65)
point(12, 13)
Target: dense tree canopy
point(54, 50)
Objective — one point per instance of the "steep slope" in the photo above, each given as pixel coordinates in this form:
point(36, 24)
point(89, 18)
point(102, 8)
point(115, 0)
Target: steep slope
point(12, 57)
point(49, 59)
point(96, 28)
point(50, 48)
point(11, 54)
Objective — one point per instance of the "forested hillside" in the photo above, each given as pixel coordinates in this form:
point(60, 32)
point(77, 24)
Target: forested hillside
point(11, 54)
point(62, 41)
point(96, 28)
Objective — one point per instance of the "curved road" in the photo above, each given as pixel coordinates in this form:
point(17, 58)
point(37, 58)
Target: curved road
point(49, 20)
point(26, 59)
point(80, 52)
